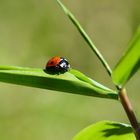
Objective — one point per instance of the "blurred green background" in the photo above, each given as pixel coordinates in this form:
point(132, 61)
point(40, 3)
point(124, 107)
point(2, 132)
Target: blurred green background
point(31, 32)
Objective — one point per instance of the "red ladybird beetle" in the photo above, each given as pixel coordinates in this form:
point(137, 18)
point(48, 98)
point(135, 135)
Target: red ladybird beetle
point(57, 65)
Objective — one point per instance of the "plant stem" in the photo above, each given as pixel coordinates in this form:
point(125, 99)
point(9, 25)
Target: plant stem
point(129, 111)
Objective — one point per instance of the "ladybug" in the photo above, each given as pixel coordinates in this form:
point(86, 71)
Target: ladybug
point(57, 65)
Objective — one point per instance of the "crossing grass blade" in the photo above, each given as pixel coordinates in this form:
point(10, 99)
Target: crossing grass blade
point(85, 36)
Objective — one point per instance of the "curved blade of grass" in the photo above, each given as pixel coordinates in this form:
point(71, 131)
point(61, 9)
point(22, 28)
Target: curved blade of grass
point(73, 81)
point(85, 36)
point(84, 78)
point(129, 63)
point(106, 130)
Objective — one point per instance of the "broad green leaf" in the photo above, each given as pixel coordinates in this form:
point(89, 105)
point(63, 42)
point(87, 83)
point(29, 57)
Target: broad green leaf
point(129, 63)
point(73, 81)
point(85, 36)
point(106, 130)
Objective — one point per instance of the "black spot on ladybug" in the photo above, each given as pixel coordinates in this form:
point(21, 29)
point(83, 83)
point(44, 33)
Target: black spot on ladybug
point(52, 62)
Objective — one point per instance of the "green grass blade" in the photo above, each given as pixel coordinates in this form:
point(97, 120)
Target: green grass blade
point(129, 63)
point(84, 78)
point(85, 36)
point(106, 130)
point(72, 82)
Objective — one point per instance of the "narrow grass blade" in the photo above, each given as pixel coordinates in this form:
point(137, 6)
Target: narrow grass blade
point(85, 36)
point(72, 82)
point(129, 63)
point(106, 130)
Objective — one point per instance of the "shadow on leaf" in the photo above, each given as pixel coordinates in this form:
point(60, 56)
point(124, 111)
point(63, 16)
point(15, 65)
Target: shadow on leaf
point(117, 129)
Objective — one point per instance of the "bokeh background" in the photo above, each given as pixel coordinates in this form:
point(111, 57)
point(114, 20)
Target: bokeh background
point(31, 32)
